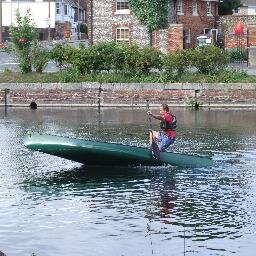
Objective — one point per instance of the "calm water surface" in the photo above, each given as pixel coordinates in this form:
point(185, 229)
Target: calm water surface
point(52, 206)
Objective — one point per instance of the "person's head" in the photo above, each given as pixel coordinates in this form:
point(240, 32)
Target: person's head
point(164, 108)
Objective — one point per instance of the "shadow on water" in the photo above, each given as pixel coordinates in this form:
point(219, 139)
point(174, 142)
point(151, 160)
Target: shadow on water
point(97, 175)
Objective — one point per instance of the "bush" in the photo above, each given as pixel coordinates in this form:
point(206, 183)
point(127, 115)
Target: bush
point(81, 60)
point(208, 59)
point(237, 55)
point(40, 57)
point(61, 54)
point(22, 37)
point(138, 59)
point(106, 56)
point(177, 62)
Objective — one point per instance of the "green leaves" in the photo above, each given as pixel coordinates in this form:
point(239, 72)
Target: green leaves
point(227, 6)
point(23, 34)
point(151, 13)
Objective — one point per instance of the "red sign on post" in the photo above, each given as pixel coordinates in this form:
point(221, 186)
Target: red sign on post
point(239, 28)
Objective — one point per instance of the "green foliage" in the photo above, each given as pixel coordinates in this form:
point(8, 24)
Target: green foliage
point(227, 6)
point(177, 62)
point(81, 60)
point(40, 57)
point(208, 59)
point(109, 57)
point(61, 54)
point(138, 59)
point(22, 35)
point(148, 58)
point(151, 13)
point(106, 56)
point(72, 75)
point(69, 75)
point(237, 55)
point(232, 76)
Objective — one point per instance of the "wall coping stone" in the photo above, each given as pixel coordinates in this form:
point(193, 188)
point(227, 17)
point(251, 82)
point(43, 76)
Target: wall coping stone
point(128, 86)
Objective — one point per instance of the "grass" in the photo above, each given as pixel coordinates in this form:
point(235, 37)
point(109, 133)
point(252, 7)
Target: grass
point(224, 76)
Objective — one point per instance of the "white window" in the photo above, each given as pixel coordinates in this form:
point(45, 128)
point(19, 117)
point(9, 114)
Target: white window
point(122, 7)
point(194, 7)
point(209, 8)
point(65, 9)
point(57, 8)
point(123, 34)
point(180, 7)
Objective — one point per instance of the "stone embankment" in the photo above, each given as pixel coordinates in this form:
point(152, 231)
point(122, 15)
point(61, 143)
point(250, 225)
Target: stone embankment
point(127, 95)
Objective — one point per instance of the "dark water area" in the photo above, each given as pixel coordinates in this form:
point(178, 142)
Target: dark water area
point(51, 206)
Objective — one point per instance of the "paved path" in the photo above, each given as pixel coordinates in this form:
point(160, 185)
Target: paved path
point(243, 66)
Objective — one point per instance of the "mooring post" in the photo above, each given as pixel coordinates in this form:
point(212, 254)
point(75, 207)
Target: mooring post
point(6, 97)
point(196, 105)
point(100, 90)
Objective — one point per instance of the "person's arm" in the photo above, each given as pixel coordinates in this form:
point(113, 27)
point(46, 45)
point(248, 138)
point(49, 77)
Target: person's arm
point(158, 117)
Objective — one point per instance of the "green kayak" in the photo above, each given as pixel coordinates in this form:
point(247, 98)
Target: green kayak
point(103, 153)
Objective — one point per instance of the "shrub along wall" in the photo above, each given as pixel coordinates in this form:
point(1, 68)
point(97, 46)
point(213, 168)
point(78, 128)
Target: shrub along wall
point(91, 94)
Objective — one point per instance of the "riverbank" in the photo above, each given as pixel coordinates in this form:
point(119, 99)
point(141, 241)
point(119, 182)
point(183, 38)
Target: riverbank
point(128, 94)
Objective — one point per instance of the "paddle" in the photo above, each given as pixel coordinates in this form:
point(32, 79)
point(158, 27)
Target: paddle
point(155, 153)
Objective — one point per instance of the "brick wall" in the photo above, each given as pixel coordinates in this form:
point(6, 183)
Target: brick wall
point(129, 94)
point(175, 37)
point(195, 24)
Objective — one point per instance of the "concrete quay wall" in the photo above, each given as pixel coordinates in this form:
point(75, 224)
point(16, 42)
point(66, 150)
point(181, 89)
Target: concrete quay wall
point(128, 95)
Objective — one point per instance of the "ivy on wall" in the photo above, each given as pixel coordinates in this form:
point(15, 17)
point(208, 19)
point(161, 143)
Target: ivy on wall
point(151, 13)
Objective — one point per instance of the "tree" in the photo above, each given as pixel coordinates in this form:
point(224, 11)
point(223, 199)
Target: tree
point(226, 7)
point(151, 13)
point(23, 34)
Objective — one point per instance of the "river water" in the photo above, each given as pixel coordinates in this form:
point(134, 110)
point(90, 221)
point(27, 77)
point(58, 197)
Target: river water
point(51, 206)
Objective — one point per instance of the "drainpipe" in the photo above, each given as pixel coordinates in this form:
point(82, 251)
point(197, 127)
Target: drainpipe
point(1, 31)
point(49, 21)
point(6, 97)
point(91, 22)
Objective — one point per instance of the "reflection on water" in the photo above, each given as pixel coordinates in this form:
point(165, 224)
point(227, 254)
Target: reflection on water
point(51, 206)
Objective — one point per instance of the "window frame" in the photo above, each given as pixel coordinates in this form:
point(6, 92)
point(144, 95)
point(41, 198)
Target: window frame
point(119, 9)
point(208, 8)
point(180, 7)
point(58, 8)
point(122, 40)
point(195, 8)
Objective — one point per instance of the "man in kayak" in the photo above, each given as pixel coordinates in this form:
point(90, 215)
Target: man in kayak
point(168, 124)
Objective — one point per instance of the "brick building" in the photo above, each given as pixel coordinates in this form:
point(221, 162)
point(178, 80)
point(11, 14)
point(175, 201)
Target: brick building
point(112, 20)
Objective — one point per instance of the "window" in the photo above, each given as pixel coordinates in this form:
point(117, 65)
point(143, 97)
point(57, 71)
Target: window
point(122, 5)
point(209, 8)
point(57, 8)
point(123, 34)
point(187, 37)
point(65, 9)
point(194, 7)
point(180, 7)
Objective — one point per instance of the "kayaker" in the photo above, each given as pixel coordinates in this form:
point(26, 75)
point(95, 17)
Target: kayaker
point(166, 137)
